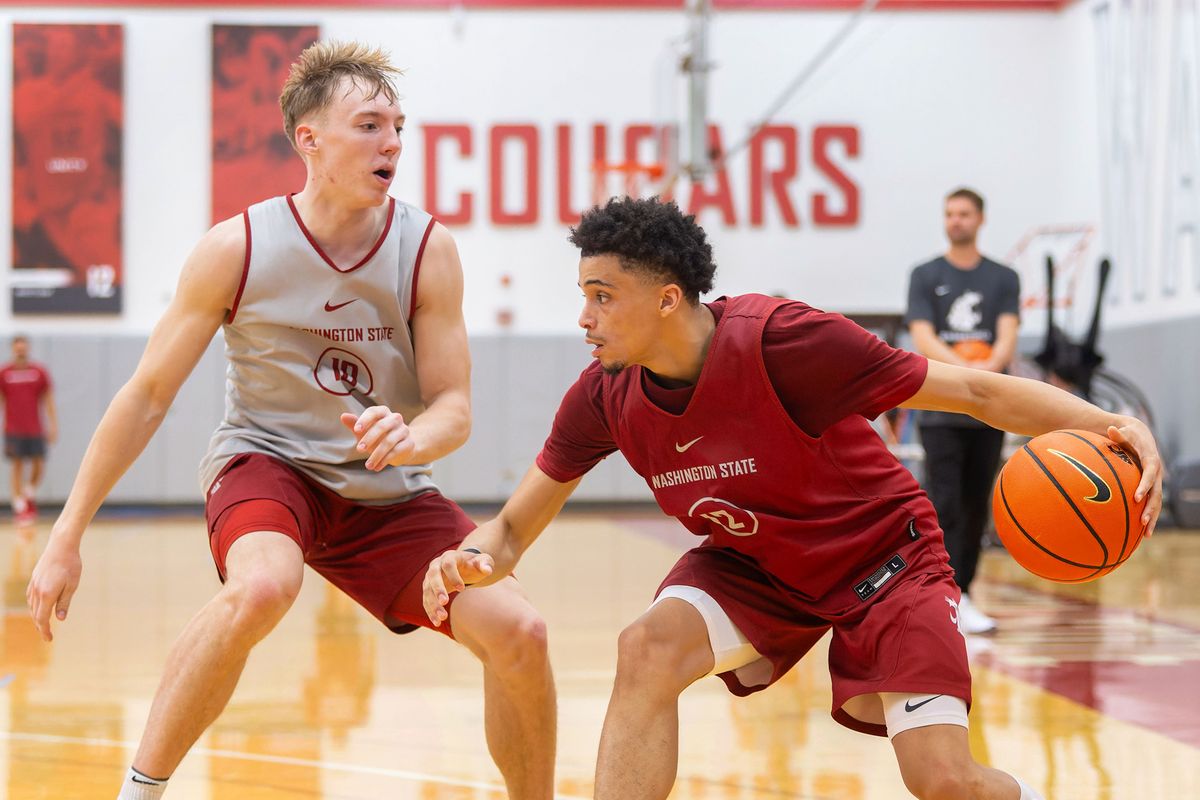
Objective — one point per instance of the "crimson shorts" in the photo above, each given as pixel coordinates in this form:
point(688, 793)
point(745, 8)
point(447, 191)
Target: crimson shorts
point(375, 554)
point(903, 638)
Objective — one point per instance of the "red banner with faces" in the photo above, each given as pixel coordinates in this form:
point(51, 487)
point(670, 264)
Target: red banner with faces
point(252, 158)
point(67, 168)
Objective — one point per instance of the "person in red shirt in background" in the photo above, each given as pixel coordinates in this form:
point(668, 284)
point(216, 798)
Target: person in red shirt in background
point(26, 392)
point(747, 416)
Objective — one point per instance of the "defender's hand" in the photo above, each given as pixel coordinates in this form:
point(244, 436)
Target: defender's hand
point(53, 584)
point(452, 571)
point(383, 435)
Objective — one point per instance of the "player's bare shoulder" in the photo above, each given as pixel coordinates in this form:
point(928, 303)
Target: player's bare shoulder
point(441, 242)
point(213, 272)
point(440, 281)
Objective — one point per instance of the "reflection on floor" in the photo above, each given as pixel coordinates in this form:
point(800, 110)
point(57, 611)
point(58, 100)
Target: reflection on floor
point(1088, 691)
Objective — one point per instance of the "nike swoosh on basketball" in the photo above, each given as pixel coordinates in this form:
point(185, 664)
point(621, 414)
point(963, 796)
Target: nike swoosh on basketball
point(909, 706)
point(331, 307)
point(1103, 493)
point(682, 448)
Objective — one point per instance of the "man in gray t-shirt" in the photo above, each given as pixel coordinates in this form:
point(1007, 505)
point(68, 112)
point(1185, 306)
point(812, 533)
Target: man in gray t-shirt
point(963, 309)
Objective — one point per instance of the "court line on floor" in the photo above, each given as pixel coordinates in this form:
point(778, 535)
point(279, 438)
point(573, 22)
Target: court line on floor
point(291, 761)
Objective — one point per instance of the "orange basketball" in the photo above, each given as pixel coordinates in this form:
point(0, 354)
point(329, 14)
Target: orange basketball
point(1064, 506)
point(973, 350)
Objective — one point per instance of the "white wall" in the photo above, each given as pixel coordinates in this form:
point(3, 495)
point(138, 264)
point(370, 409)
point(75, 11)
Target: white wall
point(1000, 101)
point(1148, 56)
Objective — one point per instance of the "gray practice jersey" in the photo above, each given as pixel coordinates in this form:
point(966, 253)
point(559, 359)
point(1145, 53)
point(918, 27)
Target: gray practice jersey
point(308, 340)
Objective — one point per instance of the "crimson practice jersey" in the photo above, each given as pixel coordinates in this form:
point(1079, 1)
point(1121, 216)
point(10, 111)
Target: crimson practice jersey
point(771, 453)
point(21, 390)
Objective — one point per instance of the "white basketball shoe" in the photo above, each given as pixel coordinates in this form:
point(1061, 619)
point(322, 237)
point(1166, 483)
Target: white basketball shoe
point(971, 619)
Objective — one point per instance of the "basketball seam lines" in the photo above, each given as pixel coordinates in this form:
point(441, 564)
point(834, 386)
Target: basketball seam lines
point(1012, 515)
point(1120, 486)
point(1086, 523)
point(1040, 546)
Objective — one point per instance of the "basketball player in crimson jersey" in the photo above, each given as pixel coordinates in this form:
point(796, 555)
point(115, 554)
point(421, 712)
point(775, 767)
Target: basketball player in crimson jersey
point(26, 395)
point(333, 300)
point(748, 418)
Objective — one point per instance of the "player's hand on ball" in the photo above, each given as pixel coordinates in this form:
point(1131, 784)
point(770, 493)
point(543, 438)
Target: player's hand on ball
point(452, 571)
point(1136, 438)
point(382, 435)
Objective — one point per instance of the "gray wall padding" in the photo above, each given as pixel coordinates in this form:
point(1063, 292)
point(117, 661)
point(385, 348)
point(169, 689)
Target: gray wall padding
point(517, 383)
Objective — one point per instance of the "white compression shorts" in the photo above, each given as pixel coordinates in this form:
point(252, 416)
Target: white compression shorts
point(731, 649)
point(732, 652)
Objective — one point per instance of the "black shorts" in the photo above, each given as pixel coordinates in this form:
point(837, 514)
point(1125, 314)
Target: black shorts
point(24, 446)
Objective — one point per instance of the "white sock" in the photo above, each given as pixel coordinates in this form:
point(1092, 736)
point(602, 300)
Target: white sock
point(1026, 792)
point(141, 787)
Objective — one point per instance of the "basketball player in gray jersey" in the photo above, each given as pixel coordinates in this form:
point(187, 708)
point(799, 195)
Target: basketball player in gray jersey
point(348, 374)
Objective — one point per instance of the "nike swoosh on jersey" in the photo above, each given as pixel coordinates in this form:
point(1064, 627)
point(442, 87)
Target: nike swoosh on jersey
point(942, 291)
point(682, 448)
point(331, 307)
point(909, 706)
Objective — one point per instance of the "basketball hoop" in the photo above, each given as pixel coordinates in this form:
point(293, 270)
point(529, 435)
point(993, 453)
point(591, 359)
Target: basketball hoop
point(625, 179)
point(1068, 245)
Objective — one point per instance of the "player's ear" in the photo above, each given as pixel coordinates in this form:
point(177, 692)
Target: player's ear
point(305, 140)
point(669, 299)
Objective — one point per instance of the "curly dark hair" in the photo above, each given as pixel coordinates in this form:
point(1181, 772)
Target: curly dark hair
point(650, 236)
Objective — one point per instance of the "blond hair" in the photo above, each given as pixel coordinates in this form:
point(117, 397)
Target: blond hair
point(315, 75)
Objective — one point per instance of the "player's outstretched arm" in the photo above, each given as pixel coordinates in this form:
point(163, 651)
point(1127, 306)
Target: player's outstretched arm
point(443, 371)
point(1032, 408)
point(207, 287)
point(500, 541)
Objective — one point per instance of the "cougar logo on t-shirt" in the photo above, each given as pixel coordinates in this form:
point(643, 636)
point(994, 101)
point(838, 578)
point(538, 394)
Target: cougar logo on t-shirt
point(964, 312)
point(735, 520)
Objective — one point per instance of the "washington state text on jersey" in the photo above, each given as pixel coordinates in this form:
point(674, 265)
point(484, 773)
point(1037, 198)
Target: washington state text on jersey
point(704, 472)
point(352, 334)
